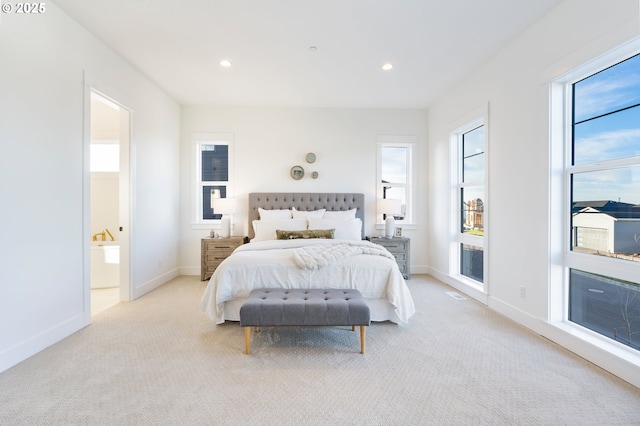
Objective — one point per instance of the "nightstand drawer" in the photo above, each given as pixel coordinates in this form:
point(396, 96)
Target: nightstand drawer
point(219, 246)
point(400, 257)
point(399, 248)
point(210, 258)
point(214, 251)
point(394, 246)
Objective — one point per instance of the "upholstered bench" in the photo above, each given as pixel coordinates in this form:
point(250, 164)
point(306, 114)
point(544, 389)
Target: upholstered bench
point(272, 307)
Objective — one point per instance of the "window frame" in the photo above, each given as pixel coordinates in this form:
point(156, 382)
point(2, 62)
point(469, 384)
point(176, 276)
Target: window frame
point(477, 118)
point(409, 142)
point(197, 141)
point(562, 259)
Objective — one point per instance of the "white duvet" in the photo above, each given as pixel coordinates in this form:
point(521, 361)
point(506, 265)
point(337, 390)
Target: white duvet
point(308, 263)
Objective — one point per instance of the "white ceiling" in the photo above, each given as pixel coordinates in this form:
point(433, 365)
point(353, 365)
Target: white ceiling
point(178, 44)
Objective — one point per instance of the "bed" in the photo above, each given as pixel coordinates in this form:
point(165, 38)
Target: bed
point(318, 244)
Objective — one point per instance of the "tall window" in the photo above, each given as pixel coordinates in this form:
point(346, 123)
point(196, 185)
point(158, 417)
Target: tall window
point(603, 202)
point(469, 159)
point(213, 168)
point(395, 173)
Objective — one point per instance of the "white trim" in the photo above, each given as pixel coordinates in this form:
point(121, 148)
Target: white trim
point(593, 346)
point(34, 344)
point(155, 283)
point(411, 143)
point(606, 354)
point(470, 121)
point(109, 95)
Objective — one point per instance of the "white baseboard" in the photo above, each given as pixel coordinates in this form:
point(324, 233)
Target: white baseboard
point(469, 291)
point(600, 351)
point(610, 356)
point(155, 283)
point(27, 348)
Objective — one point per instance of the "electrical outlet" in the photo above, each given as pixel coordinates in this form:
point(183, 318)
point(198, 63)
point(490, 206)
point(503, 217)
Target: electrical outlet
point(523, 292)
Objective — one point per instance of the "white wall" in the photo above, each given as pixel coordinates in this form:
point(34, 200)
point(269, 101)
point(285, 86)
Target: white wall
point(42, 173)
point(515, 83)
point(269, 141)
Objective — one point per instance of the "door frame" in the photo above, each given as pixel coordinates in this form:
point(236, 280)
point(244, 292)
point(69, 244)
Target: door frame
point(126, 175)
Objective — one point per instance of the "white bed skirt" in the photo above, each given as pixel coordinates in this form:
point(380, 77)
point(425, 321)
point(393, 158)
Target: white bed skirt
point(381, 310)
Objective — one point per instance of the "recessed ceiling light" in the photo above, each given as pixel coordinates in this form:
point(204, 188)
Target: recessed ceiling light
point(387, 66)
point(313, 48)
point(225, 63)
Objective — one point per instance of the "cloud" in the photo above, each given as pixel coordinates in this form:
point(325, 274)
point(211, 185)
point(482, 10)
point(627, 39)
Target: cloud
point(616, 184)
point(615, 88)
point(606, 145)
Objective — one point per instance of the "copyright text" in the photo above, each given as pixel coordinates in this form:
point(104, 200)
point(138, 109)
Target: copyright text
point(23, 8)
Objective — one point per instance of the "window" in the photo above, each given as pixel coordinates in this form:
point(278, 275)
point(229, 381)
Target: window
point(395, 173)
point(213, 168)
point(602, 200)
point(469, 199)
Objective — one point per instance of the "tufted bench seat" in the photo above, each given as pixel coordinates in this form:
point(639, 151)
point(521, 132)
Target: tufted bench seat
point(271, 307)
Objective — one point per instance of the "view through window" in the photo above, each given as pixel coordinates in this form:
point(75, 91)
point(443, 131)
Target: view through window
point(604, 202)
point(472, 201)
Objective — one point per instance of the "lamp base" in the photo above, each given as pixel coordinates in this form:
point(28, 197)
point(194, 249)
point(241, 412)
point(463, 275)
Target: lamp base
point(389, 226)
point(225, 226)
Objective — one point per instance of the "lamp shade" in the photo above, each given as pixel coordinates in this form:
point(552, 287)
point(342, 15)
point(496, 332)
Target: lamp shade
point(389, 206)
point(224, 205)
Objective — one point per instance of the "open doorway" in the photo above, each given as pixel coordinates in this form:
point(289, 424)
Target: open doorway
point(109, 203)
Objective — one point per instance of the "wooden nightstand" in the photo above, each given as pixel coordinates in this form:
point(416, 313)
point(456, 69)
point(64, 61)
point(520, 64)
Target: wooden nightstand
point(399, 248)
point(215, 250)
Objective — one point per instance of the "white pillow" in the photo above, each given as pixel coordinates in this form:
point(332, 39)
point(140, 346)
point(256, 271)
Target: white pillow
point(266, 229)
point(274, 214)
point(340, 214)
point(298, 214)
point(345, 229)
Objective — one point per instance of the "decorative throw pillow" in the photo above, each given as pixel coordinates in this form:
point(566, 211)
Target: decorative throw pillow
point(309, 233)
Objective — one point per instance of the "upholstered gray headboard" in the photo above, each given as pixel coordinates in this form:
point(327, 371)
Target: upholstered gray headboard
point(304, 201)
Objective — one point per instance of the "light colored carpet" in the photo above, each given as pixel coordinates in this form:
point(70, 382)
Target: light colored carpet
point(160, 361)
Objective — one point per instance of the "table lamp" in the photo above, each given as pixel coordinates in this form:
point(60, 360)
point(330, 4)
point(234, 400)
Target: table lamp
point(226, 207)
point(389, 207)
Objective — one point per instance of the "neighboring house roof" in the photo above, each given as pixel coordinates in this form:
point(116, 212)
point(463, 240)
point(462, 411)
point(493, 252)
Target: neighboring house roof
point(614, 209)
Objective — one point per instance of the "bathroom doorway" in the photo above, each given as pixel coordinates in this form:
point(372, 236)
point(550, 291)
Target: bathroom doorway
point(109, 202)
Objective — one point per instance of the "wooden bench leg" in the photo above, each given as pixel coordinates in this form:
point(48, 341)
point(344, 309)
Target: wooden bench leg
point(247, 340)
point(362, 338)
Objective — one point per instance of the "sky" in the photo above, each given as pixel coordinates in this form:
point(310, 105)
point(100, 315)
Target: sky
point(607, 127)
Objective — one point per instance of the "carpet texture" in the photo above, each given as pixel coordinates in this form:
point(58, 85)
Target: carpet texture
point(159, 361)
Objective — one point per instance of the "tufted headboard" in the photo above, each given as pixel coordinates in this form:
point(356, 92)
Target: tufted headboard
point(304, 201)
